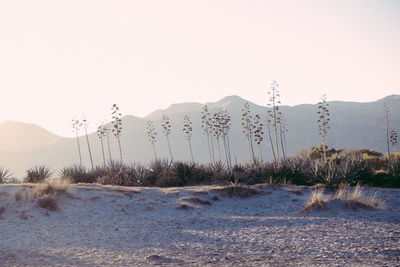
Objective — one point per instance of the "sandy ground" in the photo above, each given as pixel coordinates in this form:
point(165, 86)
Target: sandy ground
point(116, 226)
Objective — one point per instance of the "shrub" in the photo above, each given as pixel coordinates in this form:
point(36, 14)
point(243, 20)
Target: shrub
point(37, 174)
point(5, 174)
point(78, 174)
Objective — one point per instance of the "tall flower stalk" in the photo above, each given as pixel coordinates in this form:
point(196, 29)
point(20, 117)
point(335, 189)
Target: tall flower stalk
point(274, 114)
point(117, 126)
point(101, 133)
point(166, 126)
point(152, 136)
point(187, 130)
point(76, 125)
point(85, 123)
point(258, 134)
point(206, 124)
point(323, 122)
point(248, 127)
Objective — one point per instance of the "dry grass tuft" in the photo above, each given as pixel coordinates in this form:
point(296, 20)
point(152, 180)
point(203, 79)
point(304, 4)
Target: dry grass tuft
point(359, 200)
point(196, 200)
point(53, 188)
point(341, 193)
point(48, 202)
point(18, 194)
point(355, 199)
point(317, 201)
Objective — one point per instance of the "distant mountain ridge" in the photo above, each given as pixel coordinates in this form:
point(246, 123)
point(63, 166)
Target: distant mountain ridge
point(353, 125)
point(16, 135)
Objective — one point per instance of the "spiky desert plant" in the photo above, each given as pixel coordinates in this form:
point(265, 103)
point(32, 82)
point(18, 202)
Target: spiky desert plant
point(274, 113)
point(101, 133)
point(248, 128)
point(37, 174)
point(152, 136)
point(4, 174)
point(187, 130)
point(225, 123)
point(206, 124)
point(76, 125)
point(323, 122)
point(117, 126)
point(393, 140)
point(258, 133)
point(85, 123)
point(166, 126)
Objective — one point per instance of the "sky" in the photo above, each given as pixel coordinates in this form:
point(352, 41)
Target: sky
point(61, 60)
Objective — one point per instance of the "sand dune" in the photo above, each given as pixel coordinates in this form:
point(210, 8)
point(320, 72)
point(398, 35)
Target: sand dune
point(201, 225)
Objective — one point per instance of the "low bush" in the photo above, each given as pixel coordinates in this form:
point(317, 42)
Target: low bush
point(38, 174)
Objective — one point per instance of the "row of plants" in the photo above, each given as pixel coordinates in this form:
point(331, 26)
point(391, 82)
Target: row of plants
point(307, 168)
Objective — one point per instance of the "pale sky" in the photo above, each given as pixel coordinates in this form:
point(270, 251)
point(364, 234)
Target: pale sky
point(60, 59)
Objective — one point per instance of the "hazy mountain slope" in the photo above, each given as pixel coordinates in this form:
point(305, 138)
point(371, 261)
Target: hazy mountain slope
point(21, 136)
point(353, 125)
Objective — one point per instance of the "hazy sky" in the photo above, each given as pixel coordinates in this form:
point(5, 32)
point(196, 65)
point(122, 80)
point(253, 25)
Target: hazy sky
point(60, 59)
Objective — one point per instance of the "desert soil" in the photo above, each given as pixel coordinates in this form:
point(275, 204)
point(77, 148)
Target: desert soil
point(116, 226)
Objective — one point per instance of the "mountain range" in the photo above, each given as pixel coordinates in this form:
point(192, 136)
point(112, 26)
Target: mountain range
point(353, 125)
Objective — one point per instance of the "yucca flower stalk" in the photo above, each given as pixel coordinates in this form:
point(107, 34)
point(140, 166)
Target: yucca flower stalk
point(216, 128)
point(152, 136)
point(87, 141)
point(187, 130)
point(323, 122)
point(225, 123)
point(248, 127)
point(166, 126)
point(393, 140)
point(101, 132)
point(274, 113)
point(258, 134)
point(206, 124)
point(117, 126)
point(76, 125)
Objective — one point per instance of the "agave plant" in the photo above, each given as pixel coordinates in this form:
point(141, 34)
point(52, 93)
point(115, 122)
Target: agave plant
point(5, 174)
point(38, 174)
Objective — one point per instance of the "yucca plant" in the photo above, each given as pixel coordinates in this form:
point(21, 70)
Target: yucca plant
point(248, 129)
point(323, 122)
point(117, 126)
point(166, 126)
point(5, 174)
point(216, 130)
point(76, 125)
point(187, 130)
point(37, 174)
point(206, 124)
point(225, 125)
point(274, 114)
point(152, 136)
point(258, 133)
point(393, 140)
point(101, 133)
point(85, 123)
